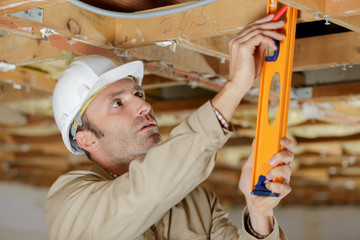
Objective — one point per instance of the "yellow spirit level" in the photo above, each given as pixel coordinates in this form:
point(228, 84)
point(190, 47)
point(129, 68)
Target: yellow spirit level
point(276, 63)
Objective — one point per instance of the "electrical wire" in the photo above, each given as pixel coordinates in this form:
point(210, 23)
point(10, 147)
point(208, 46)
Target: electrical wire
point(139, 15)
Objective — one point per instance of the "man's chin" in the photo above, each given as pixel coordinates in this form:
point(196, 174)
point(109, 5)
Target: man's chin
point(151, 142)
point(155, 138)
point(151, 138)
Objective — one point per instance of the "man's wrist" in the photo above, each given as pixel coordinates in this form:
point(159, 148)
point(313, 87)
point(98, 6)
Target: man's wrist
point(251, 231)
point(235, 89)
point(261, 222)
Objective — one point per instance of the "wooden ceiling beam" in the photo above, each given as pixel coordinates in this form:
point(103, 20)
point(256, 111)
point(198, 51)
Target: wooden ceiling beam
point(34, 174)
point(196, 79)
point(29, 78)
point(52, 148)
point(326, 51)
point(178, 105)
point(69, 21)
point(9, 94)
point(332, 93)
point(343, 139)
point(350, 22)
point(65, 20)
point(151, 81)
point(41, 162)
point(310, 53)
point(345, 13)
point(73, 22)
point(13, 6)
point(326, 7)
point(181, 58)
point(346, 7)
point(218, 18)
point(13, 140)
point(324, 161)
point(20, 50)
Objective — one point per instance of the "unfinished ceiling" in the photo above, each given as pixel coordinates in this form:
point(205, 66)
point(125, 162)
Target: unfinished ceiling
point(186, 59)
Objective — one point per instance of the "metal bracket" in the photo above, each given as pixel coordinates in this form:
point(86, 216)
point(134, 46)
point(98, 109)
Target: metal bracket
point(305, 92)
point(35, 14)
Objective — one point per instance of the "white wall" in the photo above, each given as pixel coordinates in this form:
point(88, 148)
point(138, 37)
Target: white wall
point(22, 212)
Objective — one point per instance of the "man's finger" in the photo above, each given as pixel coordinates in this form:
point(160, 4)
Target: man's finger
point(286, 143)
point(281, 188)
point(265, 19)
point(266, 29)
point(284, 157)
point(283, 171)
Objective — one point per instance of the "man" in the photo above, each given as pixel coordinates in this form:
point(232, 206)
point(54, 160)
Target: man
point(140, 187)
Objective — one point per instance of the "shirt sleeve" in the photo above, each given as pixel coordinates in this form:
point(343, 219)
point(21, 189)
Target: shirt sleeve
point(86, 206)
point(277, 232)
point(221, 119)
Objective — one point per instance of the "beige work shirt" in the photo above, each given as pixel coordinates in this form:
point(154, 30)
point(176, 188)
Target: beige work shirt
point(159, 198)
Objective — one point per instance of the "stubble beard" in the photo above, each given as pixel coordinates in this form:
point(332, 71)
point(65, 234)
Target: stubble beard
point(127, 151)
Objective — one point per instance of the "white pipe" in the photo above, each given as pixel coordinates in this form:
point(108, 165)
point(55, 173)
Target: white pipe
point(139, 15)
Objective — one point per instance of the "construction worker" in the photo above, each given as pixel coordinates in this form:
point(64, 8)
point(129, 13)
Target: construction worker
point(140, 187)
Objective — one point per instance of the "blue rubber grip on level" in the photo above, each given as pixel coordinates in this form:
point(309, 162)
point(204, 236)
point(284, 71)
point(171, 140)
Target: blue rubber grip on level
point(261, 190)
point(270, 55)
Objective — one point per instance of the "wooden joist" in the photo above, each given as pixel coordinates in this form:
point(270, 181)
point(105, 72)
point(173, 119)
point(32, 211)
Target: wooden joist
point(10, 93)
point(73, 22)
point(181, 58)
point(350, 22)
point(345, 13)
point(13, 6)
point(310, 53)
point(21, 50)
point(151, 81)
point(326, 7)
point(332, 93)
point(214, 19)
point(178, 105)
point(68, 22)
point(41, 162)
point(29, 78)
point(326, 51)
point(52, 148)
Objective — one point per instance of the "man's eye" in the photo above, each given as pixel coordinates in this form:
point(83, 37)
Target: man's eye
point(117, 103)
point(140, 95)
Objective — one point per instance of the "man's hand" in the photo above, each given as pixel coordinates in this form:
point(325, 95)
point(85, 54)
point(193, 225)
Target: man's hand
point(247, 50)
point(246, 56)
point(261, 208)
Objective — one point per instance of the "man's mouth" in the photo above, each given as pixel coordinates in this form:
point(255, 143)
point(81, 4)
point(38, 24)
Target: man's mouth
point(148, 125)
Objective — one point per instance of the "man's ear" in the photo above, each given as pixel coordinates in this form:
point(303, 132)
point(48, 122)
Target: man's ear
point(87, 141)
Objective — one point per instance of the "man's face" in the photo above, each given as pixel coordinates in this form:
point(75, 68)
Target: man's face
point(125, 119)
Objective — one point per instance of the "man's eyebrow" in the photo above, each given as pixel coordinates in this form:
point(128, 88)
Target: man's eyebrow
point(114, 94)
point(138, 88)
point(117, 93)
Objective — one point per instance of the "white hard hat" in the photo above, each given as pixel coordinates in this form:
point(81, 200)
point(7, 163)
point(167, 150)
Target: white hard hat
point(80, 82)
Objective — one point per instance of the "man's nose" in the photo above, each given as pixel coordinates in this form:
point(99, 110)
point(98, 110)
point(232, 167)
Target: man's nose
point(144, 107)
